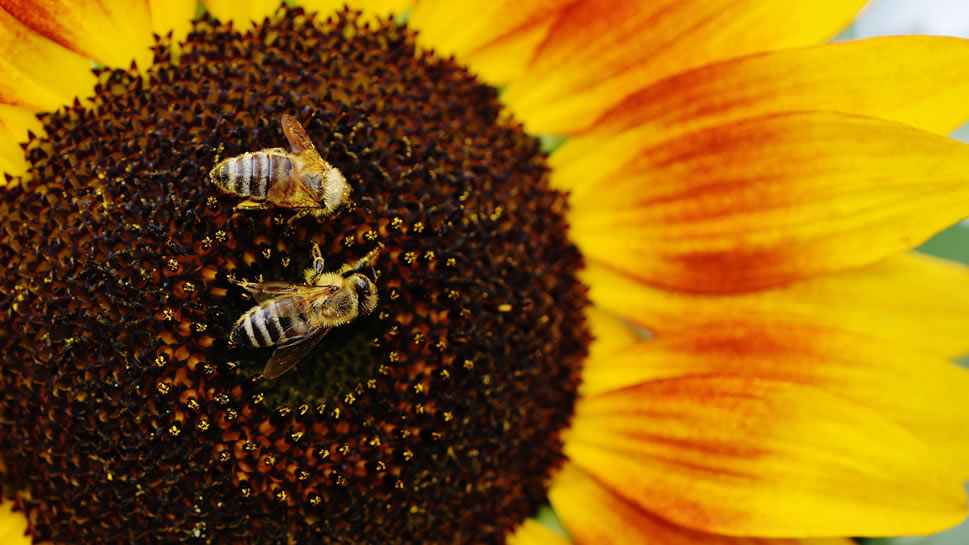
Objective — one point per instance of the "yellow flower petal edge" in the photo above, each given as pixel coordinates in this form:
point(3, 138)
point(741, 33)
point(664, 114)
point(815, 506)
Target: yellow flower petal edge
point(496, 39)
point(923, 394)
point(14, 124)
point(13, 525)
point(79, 25)
point(242, 14)
point(771, 200)
point(867, 77)
point(532, 532)
point(597, 53)
point(378, 8)
point(595, 515)
point(610, 333)
point(173, 16)
point(753, 457)
point(906, 299)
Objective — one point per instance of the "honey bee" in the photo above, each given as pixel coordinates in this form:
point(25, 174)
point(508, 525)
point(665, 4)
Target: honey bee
point(299, 179)
point(297, 316)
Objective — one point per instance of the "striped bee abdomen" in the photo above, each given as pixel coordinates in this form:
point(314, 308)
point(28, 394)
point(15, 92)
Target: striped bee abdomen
point(262, 326)
point(251, 174)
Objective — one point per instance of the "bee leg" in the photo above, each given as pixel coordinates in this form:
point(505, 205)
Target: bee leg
point(314, 274)
point(250, 204)
point(299, 215)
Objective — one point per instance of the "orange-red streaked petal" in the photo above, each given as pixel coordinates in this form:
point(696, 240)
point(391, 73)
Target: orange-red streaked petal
point(745, 456)
point(38, 73)
point(594, 515)
point(172, 15)
point(924, 394)
point(532, 532)
point(242, 14)
point(868, 77)
point(13, 525)
point(771, 200)
point(80, 25)
point(14, 124)
point(907, 299)
point(378, 8)
point(495, 39)
point(597, 53)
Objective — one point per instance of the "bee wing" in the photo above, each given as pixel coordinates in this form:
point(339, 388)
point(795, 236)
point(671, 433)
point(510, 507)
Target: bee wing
point(262, 291)
point(300, 302)
point(299, 141)
point(288, 355)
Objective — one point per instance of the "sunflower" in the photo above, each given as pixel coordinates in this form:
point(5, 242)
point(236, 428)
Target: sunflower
point(660, 280)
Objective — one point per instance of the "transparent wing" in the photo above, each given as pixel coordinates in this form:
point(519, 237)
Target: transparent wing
point(299, 141)
point(288, 355)
point(262, 291)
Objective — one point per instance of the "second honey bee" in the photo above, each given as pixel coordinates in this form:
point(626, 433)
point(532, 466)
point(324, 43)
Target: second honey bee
point(299, 179)
point(297, 316)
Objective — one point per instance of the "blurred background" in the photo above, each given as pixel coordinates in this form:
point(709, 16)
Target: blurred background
point(945, 18)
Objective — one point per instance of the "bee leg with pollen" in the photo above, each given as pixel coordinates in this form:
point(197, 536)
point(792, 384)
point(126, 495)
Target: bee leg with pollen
point(250, 204)
point(316, 271)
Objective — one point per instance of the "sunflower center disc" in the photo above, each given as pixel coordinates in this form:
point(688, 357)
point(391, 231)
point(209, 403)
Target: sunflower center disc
point(128, 418)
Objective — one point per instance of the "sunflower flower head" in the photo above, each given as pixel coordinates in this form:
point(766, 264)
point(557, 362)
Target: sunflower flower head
point(440, 398)
point(672, 328)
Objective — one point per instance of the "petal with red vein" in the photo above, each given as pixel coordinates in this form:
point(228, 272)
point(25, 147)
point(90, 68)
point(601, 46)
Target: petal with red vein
point(743, 456)
point(868, 77)
point(597, 53)
point(532, 532)
point(906, 299)
point(80, 25)
point(242, 14)
point(924, 394)
point(770, 200)
point(38, 73)
point(496, 39)
point(13, 525)
point(594, 515)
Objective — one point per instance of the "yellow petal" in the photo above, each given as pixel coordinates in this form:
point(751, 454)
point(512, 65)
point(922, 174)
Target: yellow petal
point(172, 15)
point(532, 532)
point(495, 39)
point(595, 515)
point(742, 456)
point(378, 8)
point(13, 525)
point(597, 53)
point(242, 14)
point(14, 124)
point(80, 25)
point(771, 200)
point(907, 299)
point(924, 394)
point(38, 73)
point(610, 333)
point(869, 77)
